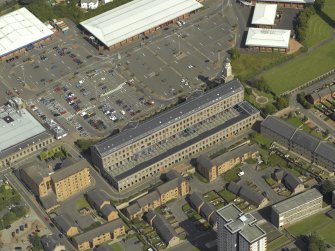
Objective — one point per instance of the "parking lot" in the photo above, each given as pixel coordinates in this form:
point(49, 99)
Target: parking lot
point(93, 93)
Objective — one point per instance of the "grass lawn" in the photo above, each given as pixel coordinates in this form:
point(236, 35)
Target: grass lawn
point(117, 247)
point(277, 243)
point(250, 64)
point(200, 177)
point(301, 69)
point(270, 181)
point(231, 175)
point(329, 9)
point(227, 195)
point(210, 196)
point(260, 139)
point(81, 203)
point(313, 223)
point(275, 160)
point(317, 31)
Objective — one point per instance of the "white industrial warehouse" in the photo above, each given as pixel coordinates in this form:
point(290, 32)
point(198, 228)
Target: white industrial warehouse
point(128, 22)
point(20, 29)
point(264, 15)
point(268, 39)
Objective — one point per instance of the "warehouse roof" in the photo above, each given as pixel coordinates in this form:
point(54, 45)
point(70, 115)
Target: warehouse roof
point(164, 119)
point(264, 14)
point(136, 17)
point(19, 29)
point(272, 38)
point(305, 140)
point(17, 126)
point(296, 201)
point(288, 1)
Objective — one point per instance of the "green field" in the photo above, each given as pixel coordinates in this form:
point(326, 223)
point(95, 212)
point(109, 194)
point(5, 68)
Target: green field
point(301, 69)
point(317, 31)
point(319, 223)
point(117, 247)
point(250, 64)
point(329, 9)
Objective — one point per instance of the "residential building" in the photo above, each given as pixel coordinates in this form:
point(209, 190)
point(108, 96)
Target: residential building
point(21, 31)
point(52, 243)
point(268, 40)
point(174, 187)
point(308, 146)
point(89, 4)
point(100, 201)
point(291, 182)
point(238, 231)
point(106, 232)
point(55, 186)
point(211, 169)
point(247, 194)
point(296, 208)
point(322, 95)
point(264, 15)
point(66, 225)
point(205, 209)
point(20, 133)
point(163, 228)
point(136, 155)
point(132, 21)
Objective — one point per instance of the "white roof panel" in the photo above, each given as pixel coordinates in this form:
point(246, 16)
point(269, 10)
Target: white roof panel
point(264, 14)
point(20, 28)
point(289, 1)
point(136, 17)
point(268, 38)
point(22, 127)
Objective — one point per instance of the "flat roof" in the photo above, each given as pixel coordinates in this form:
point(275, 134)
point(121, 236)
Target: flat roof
point(136, 17)
point(164, 119)
point(19, 29)
point(272, 38)
point(264, 14)
point(288, 1)
point(296, 201)
point(244, 114)
point(17, 126)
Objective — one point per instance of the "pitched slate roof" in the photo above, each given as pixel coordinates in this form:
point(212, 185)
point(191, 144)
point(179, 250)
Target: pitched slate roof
point(234, 188)
point(235, 153)
point(279, 174)
point(291, 182)
point(97, 196)
point(69, 170)
point(63, 222)
point(106, 210)
point(305, 140)
point(327, 151)
point(172, 174)
point(168, 186)
point(196, 199)
point(148, 199)
point(50, 242)
point(95, 232)
point(132, 209)
point(162, 227)
point(207, 210)
point(251, 196)
point(205, 162)
point(278, 126)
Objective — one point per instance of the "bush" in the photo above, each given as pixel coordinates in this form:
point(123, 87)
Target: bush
point(234, 53)
point(281, 102)
point(302, 22)
point(260, 84)
point(302, 100)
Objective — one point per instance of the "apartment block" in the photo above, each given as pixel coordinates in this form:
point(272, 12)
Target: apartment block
point(66, 225)
point(238, 231)
point(174, 187)
point(106, 232)
point(296, 208)
point(211, 169)
point(300, 142)
point(54, 186)
point(139, 153)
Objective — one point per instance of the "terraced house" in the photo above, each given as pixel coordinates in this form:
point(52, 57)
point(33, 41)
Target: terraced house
point(150, 148)
point(174, 187)
point(302, 143)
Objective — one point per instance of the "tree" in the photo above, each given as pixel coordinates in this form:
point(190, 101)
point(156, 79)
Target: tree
point(36, 242)
point(282, 102)
point(8, 218)
point(248, 91)
point(326, 187)
point(319, 4)
point(269, 109)
point(234, 53)
point(315, 243)
point(20, 211)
